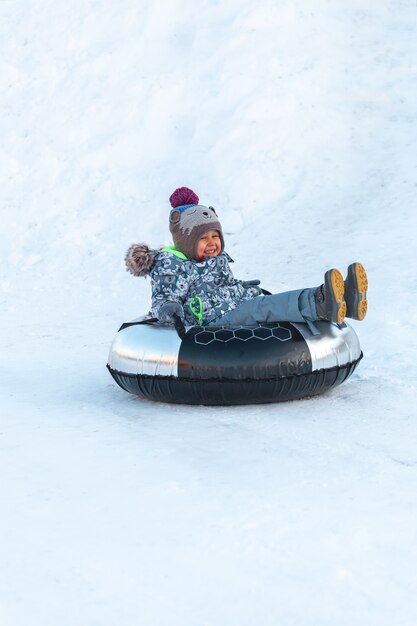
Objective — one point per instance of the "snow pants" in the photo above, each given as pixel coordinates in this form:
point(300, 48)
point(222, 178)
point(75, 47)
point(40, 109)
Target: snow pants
point(289, 306)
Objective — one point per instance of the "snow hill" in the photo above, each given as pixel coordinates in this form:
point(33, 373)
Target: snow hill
point(297, 121)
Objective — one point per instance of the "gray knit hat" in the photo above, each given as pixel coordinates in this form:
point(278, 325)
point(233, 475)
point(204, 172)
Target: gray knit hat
point(189, 221)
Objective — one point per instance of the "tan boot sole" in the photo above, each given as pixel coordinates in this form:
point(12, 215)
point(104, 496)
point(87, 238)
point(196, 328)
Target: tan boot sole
point(362, 282)
point(338, 285)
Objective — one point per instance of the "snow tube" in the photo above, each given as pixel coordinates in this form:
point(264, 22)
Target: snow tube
point(225, 366)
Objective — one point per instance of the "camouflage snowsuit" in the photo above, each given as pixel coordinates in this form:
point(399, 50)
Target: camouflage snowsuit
point(210, 290)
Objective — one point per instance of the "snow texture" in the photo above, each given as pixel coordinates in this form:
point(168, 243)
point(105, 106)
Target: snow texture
point(297, 121)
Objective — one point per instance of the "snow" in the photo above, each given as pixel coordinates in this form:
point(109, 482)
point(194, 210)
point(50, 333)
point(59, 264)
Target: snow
point(298, 122)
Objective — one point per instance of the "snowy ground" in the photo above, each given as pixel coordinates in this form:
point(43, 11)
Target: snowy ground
point(298, 122)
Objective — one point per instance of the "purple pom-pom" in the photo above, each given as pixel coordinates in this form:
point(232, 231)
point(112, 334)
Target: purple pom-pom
point(183, 195)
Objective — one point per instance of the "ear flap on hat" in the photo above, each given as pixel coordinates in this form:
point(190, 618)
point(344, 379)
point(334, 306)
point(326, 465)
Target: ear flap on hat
point(174, 217)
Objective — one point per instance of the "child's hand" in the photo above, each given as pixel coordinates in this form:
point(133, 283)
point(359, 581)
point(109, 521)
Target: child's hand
point(168, 310)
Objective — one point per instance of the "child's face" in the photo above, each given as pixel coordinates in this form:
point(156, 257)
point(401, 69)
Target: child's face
point(209, 245)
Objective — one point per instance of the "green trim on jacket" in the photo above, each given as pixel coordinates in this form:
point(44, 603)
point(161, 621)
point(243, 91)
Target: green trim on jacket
point(177, 253)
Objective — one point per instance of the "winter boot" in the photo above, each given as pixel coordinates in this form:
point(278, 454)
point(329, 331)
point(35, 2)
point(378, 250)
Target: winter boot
point(356, 285)
point(329, 298)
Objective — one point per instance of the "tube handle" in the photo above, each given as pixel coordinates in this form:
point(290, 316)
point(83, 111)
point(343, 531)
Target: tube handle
point(179, 326)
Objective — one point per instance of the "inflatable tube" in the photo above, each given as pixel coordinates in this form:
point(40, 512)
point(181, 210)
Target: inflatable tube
point(225, 366)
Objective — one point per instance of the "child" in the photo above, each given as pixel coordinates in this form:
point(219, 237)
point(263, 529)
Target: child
point(193, 280)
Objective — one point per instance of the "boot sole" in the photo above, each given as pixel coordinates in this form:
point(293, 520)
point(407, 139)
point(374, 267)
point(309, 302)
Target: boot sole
point(336, 287)
point(356, 288)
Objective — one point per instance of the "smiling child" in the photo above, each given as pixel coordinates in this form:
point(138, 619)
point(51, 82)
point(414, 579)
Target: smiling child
point(193, 279)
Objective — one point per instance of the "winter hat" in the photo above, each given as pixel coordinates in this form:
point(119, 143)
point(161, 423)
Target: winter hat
point(189, 221)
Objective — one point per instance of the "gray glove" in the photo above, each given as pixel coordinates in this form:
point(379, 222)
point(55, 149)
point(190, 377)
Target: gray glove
point(251, 283)
point(168, 310)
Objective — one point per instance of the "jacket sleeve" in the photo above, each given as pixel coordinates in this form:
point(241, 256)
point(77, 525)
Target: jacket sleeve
point(248, 288)
point(170, 281)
